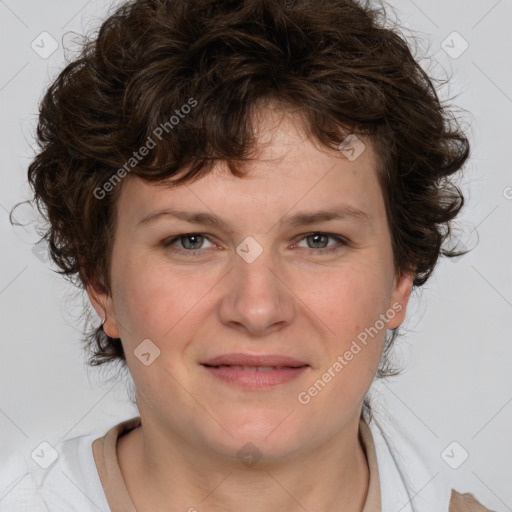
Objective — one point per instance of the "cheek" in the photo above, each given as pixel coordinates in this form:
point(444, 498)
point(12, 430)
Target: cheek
point(141, 295)
point(346, 299)
point(154, 301)
point(350, 303)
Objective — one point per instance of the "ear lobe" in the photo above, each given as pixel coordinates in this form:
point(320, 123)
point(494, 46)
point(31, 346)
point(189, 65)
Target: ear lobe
point(400, 298)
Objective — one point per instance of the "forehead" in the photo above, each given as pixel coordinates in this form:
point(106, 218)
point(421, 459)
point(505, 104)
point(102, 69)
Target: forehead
point(289, 171)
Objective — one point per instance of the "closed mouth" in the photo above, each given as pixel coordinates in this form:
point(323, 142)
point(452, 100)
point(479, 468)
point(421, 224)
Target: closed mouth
point(255, 368)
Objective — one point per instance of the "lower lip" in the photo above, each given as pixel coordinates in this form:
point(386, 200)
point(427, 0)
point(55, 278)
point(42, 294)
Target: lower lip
point(253, 379)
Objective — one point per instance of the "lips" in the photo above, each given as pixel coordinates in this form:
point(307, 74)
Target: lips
point(251, 372)
point(247, 361)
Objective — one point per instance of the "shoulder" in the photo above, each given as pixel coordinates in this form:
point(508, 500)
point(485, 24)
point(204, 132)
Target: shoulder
point(465, 503)
point(425, 480)
point(60, 478)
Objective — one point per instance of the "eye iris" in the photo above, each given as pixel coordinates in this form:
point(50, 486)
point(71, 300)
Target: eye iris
point(316, 237)
point(195, 237)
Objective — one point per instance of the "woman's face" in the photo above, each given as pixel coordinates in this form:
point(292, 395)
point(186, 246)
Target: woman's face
point(258, 284)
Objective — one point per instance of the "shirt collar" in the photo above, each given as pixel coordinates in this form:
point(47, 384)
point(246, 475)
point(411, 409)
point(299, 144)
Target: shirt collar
point(118, 498)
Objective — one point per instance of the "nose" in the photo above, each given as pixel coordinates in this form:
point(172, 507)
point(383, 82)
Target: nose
point(256, 300)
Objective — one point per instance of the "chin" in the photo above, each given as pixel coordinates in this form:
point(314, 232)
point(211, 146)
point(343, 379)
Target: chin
point(268, 435)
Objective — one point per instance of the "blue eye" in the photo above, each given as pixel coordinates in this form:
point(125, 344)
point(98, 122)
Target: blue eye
point(321, 238)
point(192, 243)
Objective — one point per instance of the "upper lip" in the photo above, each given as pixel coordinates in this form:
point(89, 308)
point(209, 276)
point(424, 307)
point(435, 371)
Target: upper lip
point(238, 359)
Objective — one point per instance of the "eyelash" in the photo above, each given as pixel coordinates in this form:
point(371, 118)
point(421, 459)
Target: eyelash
point(167, 244)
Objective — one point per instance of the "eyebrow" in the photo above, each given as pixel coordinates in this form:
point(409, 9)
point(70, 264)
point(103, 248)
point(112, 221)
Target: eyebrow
point(298, 219)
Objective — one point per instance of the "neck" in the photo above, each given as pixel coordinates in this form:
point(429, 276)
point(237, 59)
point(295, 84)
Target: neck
point(162, 470)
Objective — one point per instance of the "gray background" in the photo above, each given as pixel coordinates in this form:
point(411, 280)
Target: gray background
point(457, 383)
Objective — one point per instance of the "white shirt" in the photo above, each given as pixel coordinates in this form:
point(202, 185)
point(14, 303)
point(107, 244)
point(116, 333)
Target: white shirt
point(72, 482)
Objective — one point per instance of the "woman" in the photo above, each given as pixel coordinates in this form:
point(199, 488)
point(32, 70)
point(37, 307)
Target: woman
point(248, 191)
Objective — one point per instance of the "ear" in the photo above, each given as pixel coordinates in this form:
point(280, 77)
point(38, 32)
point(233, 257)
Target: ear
point(103, 304)
point(402, 288)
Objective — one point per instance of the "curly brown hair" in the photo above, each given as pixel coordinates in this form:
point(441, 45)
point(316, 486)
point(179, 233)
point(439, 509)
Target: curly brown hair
point(336, 63)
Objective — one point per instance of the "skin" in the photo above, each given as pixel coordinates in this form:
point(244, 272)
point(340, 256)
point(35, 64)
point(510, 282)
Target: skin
point(292, 300)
